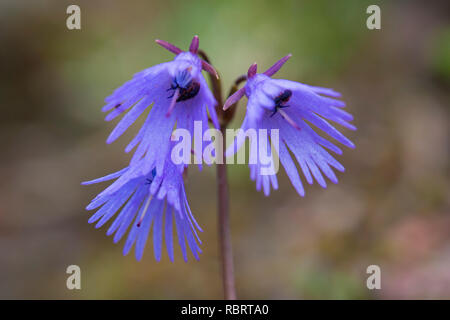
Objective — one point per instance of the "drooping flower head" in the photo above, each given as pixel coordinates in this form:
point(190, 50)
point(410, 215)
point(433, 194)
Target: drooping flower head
point(139, 199)
point(178, 94)
point(289, 107)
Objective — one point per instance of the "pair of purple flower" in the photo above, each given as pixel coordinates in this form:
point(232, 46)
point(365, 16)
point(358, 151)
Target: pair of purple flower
point(150, 191)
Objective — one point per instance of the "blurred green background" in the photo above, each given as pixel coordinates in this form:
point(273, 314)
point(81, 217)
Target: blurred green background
point(391, 207)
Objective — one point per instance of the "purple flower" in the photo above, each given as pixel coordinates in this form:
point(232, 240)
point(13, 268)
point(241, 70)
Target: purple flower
point(290, 107)
point(180, 96)
point(140, 198)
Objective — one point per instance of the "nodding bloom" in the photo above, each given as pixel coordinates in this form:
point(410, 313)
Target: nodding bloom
point(290, 107)
point(180, 96)
point(137, 199)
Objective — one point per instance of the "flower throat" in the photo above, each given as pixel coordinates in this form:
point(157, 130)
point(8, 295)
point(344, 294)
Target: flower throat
point(188, 88)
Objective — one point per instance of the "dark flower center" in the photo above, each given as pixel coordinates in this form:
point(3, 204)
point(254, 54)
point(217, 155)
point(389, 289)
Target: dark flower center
point(151, 176)
point(189, 92)
point(280, 100)
point(188, 87)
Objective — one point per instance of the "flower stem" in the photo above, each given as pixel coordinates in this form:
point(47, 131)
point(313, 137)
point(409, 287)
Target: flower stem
point(224, 231)
point(223, 207)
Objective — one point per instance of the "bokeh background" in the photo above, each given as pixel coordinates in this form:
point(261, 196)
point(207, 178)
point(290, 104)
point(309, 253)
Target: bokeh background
point(391, 207)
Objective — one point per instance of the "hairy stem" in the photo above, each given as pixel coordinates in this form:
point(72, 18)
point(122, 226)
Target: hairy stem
point(223, 208)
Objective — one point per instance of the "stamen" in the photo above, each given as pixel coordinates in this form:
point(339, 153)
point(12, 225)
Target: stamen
point(288, 119)
point(144, 211)
point(173, 102)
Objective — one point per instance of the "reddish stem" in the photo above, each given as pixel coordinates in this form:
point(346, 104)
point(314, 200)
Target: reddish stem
point(223, 206)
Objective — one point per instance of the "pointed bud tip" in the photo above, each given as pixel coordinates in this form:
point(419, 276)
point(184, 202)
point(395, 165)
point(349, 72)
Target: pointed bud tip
point(287, 57)
point(277, 66)
point(193, 48)
point(210, 69)
point(234, 98)
point(252, 70)
point(168, 46)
